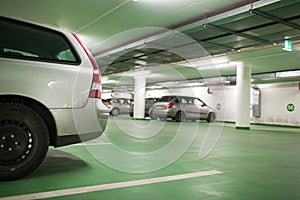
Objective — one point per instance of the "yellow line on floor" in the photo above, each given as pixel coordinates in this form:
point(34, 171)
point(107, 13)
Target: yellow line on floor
point(72, 191)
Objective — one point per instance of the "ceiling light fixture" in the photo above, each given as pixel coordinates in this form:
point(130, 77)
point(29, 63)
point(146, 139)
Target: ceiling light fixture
point(288, 74)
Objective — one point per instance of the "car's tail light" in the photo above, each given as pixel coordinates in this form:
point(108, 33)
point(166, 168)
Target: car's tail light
point(170, 105)
point(95, 91)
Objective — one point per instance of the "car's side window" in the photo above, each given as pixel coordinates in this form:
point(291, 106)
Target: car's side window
point(183, 100)
point(197, 102)
point(189, 100)
point(31, 42)
point(15, 52)
point(66, 55)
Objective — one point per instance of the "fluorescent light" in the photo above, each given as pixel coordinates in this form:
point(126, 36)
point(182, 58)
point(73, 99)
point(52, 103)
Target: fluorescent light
point(208, 63)
point(288, 74)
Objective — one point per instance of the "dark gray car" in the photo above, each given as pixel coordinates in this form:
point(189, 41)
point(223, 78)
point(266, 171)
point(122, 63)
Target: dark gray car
point(148, 103)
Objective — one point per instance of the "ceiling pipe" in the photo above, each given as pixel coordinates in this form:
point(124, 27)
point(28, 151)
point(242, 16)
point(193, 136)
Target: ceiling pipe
point(281, 21)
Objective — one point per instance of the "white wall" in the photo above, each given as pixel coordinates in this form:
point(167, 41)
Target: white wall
point(109, 95)
point(274, 101)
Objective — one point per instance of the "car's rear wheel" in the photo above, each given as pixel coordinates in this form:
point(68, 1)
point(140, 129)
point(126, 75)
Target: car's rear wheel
point(211, 117)
point(179, 116)
point(24, 140)
point(115, 112)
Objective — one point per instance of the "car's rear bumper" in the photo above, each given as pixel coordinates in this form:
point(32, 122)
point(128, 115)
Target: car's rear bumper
point(80, 124)
point(163, 113)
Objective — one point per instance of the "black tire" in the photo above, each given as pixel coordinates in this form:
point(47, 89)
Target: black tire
point(24, 140)
point(211, 117)
point(179, 117)
point(115, 112)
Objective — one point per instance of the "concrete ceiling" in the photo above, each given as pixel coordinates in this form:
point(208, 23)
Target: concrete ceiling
point(98, 20)
point(130, 28)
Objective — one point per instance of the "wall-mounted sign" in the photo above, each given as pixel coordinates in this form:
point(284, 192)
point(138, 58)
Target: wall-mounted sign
point(218, 106)
point(290, 107)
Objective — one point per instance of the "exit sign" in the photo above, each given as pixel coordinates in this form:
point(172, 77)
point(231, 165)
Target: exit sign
point(288, 45)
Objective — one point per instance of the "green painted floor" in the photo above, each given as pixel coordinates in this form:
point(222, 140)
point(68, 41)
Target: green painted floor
point(263, 163)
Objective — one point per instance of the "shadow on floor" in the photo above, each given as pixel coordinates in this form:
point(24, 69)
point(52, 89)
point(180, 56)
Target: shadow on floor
point(57, 162)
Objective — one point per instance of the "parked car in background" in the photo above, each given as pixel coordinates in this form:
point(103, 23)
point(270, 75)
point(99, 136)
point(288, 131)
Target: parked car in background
point(106, 102)
point(181, 108)
point(50, 95)
point(148, 103)
point(120, 106)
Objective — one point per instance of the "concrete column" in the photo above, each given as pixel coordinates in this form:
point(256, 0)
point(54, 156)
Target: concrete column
point(243, 86)
point(139, 97)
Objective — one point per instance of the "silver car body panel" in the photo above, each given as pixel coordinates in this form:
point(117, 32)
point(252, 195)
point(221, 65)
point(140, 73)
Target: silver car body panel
point(62, 88)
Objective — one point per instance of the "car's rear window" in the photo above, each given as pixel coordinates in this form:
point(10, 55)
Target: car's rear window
point(26, 41)
point(165, 99)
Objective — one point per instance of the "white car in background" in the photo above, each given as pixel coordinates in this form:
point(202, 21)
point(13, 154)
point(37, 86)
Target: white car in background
point(50, 95)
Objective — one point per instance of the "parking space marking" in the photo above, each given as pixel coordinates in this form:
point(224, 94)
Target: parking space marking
point(92, 144)
point(109, 186)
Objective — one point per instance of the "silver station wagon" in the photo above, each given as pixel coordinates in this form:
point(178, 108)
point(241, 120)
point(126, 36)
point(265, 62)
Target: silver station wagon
point(120, 106)
point(181, 108)
point(50, 94)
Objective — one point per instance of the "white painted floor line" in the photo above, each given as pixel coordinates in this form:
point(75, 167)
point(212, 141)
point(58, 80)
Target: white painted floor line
point(72, 191)
point(92, 144)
